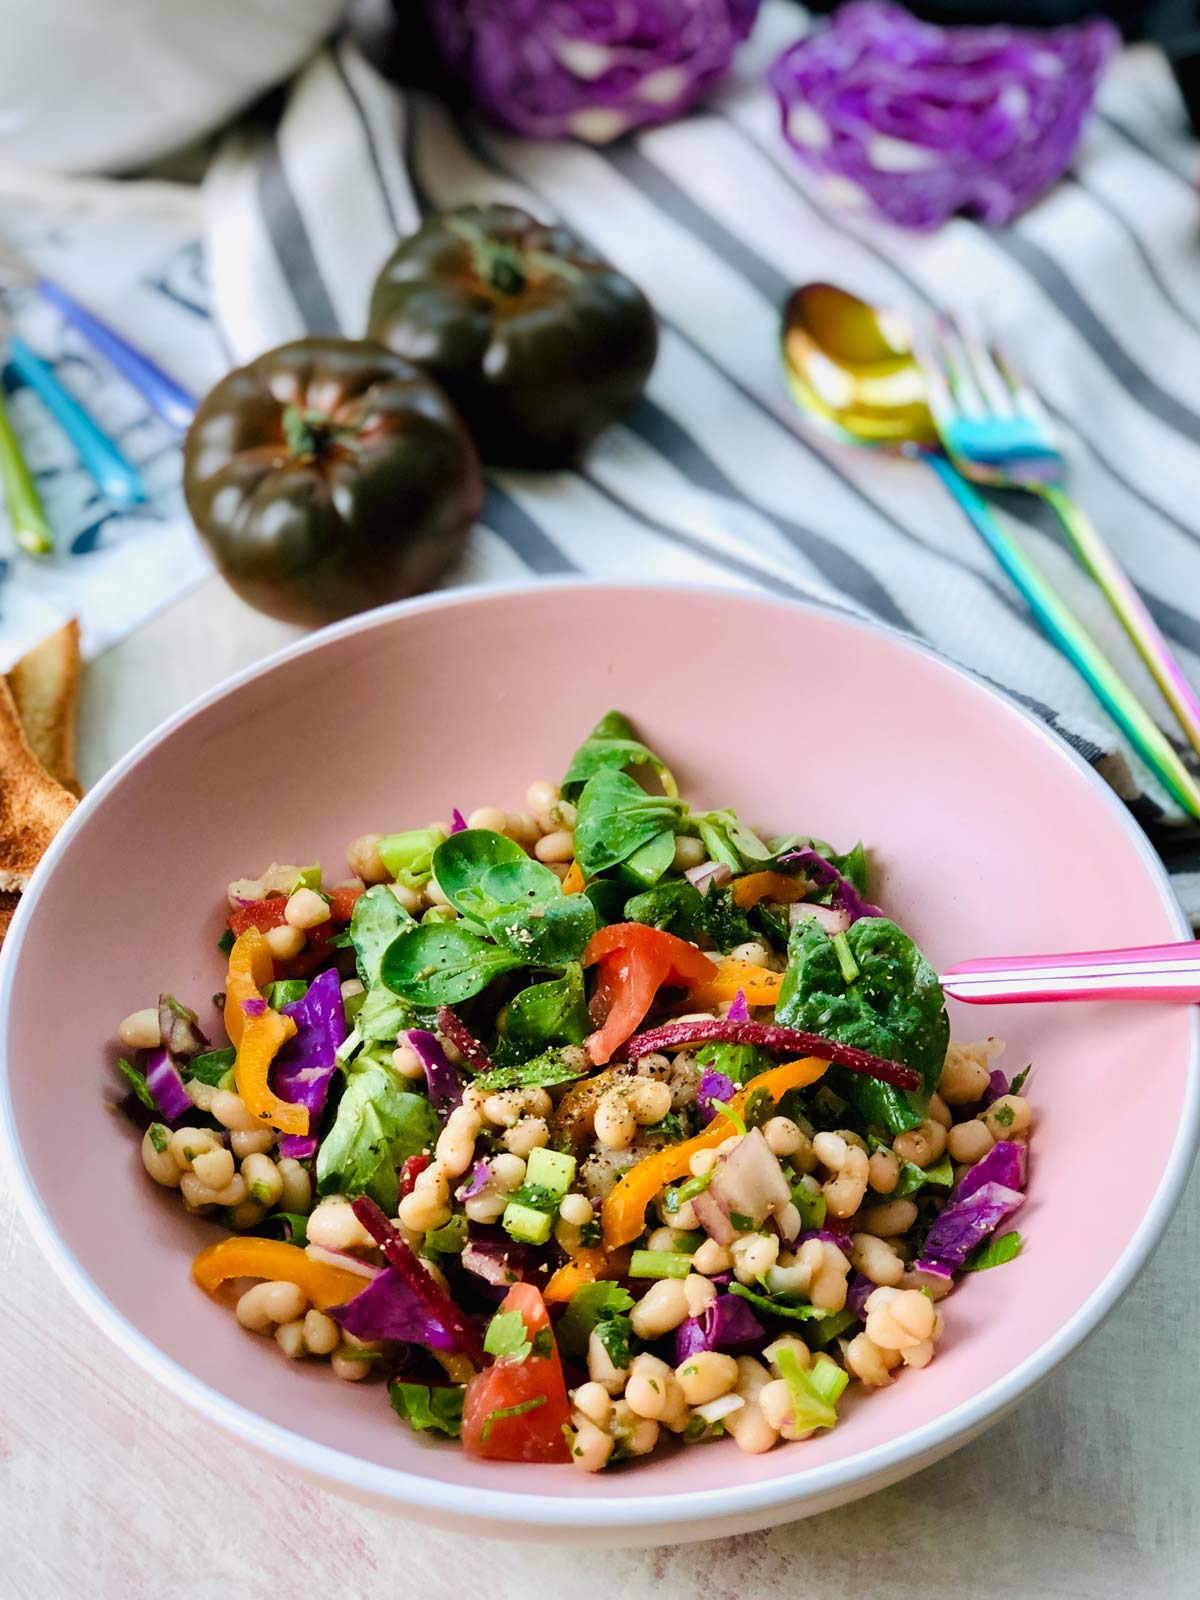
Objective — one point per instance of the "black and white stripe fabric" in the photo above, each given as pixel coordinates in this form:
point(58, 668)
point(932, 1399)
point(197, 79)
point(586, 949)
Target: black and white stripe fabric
point(713, 477)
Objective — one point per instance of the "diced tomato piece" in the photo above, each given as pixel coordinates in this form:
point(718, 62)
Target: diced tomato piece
point(262, 914)
point(517, 1410)
point(342, 903)
point(410, 1172)
point(635, 961)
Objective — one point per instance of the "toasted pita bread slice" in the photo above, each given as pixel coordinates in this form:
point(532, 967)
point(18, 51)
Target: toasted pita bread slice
point(32, 806)
point(8, 906)
point(45, 690)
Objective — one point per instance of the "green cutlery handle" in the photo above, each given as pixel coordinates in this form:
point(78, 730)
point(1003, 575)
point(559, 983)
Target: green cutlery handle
point(1061, 626)
point(30, 527)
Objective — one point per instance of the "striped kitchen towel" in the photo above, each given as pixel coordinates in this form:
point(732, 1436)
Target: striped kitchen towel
point(712, 477)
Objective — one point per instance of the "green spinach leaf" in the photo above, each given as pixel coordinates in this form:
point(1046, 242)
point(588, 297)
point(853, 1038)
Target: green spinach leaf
point(612, 746)
point(679, 908)
point(443, 964)
point(894, 1008)
point(548, 935)
point(541, 1072)
point(214, 1067)
point(549, 1013)
point(378, 1125)
point(647, 865)
point(616, 818)
point(461, 862)
point(995, 1252)
point(608, 898)
point(378, 920)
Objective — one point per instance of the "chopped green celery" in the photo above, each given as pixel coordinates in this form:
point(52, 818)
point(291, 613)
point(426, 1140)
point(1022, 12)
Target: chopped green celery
point(550, 1169)
point(449, 1240)
point(659, 1264)
point(352, 1004)
point(682, 1193)
point(307, 878)
point(812, 1207)
point(814, 1394)
point(526, 1225)
point(730, 1115)
point(823, 1333)
point(690, 1241)
point(409, 856)
point(849, 967)
point(284, 991)
point(438, 914)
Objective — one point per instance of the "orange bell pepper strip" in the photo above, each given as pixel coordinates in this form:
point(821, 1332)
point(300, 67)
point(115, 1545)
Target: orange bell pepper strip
point(259, 1039)
point(760, 985)
point(241, 1256)
point(756, 886)
point(623, 1214)
point(589, 1266)
point(573, 882)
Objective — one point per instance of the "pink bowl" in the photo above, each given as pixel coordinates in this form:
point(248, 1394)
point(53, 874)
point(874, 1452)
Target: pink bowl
point(989, 836)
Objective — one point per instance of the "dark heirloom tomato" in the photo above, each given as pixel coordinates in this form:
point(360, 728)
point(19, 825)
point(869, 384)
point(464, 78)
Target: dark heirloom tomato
point(329, 475)
point(539, 341)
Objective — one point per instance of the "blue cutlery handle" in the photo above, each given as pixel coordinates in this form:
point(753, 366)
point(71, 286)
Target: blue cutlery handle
point(169, 399)
point(117, 480)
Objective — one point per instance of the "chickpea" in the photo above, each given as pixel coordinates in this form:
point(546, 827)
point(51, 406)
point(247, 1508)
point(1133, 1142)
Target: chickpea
point(754, 1254)
point(649, 1100)
point(263, 1179)
point(706, 1376)
point(364, 860)
point(556, 847)
point(663, 1307)
point(939, 1112)
point(530, 1134)
point(848, 1163)
point(140, 1030)
point(754, 1434)
point(875, 1259)
point(269, 1304)
point(899, 1319)
point(969, 1141)
point(157, 1158)
point(489, 817)
point(688, 853)
point(593, 1401)
point(590, 1446)
point(870, 1364)
point(883, 1172)
point(1009, 1117)
point(889, 1220)
point(783, 1137)
point(230, 1110)
point(922, 1146)
point(334, 1226)
point(296, 1193)
point(600, 1366)
point(965, 1075)
point(285, 942)
point(616, 1124)
point(710, 1258)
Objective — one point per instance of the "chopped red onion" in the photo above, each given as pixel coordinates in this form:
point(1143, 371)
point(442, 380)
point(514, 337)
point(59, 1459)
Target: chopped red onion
point(707, 874)
point(254, 1007)
point(831, 919)
point(458, 823)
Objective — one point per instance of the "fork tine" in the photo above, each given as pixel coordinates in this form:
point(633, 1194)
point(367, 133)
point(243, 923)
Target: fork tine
point(966, 391)
point(997, 395)
point(935, 368)
point(1025, 397)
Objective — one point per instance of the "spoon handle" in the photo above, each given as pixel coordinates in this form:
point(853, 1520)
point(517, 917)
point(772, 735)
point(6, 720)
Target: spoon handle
point(1169, 972)
point(1061, 626)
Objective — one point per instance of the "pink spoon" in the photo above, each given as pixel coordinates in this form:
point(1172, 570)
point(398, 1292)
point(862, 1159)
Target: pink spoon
point(1167, 972)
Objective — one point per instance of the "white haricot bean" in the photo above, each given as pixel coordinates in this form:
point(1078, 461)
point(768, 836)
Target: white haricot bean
point(201, 1094)
point(576, 1209)
point(649, 1100)
point(616, 1125)
point(558, 846)
point(711, 1258)
point(1009, 1117)
point(506, 1108)
point(706, 1376)
point(540, 796)
point(754, 951)
point(296, 1194)
point(348, 1366)
point(682, 1220)
point(289, 1336)
point(489, 817)
point(899, 1319)
point(334, 1226)
point(197, 1195)
point(827, 1267)
point(306, 909)
point(883, 1171)
point(889, 1220)
point(637, 1435)
point(352, 988)
point(703, 1161)
point(412, 900)
point(157, 1158)
point(185, 1144)
point(363, 858)
point(424, 1210)
point(753, 1255)
point(531, 1133)
point(875, 1259)
point(688, 852)
point(321, 1333)
point(406, 1060)
point(590, 1446)
point(969, 1141)
point(435, 894)
point(783, 1137)
point(650, 1390)
point(663, 1307)
point(600, 1366)
point(262, 1179)
point(699, 1293)
point(777, 1405)
point(284, 942)
point(140, 1030)
point(593, 1401)
point(522, 828)
point(922, 1146)
point(230, 1110)
point(249, 1144)
point(247, 1215)
point(268, 1304)
point(754, 1434)
point(214, 1168)
point(456, 1143)
point(848, 1163)
point(868, 1363)
point(965, 1075)
point(931, 1284)
point(787, 1341)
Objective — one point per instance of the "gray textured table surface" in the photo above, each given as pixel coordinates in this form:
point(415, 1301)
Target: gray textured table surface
point(1090, 1488)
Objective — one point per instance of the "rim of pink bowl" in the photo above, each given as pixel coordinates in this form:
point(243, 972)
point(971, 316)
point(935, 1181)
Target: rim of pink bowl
point(517, 1511)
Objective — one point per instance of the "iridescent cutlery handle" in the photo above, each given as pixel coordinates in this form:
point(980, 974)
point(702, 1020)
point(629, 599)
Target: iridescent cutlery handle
point(1162, 972)
point(169, 399)
point(26, 514)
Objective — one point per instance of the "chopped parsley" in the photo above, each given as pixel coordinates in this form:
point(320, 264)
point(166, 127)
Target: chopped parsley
point(506, 1337)
point(995, 1252)
point(510, 1411)
point(158, 1136)
point(603, 1307)
point(1002, 1115)
point(1021, 1079)
point(137, 1081)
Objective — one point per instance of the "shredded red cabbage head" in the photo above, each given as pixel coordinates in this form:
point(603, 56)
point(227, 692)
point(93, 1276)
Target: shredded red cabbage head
point(1003, 1164)
point(458, 823)
point(445, 1085)
point(845, 896)
point(587, 69)
point(304, 1068)
point(842, 1240)
point(858, 1290)
point(997, 1086)
point(926, 121)
point(726, 1323)
point(389, 1309)
point(476, 1183)
point(714, 1087)
point(964, 1224)
point(738, 1011)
